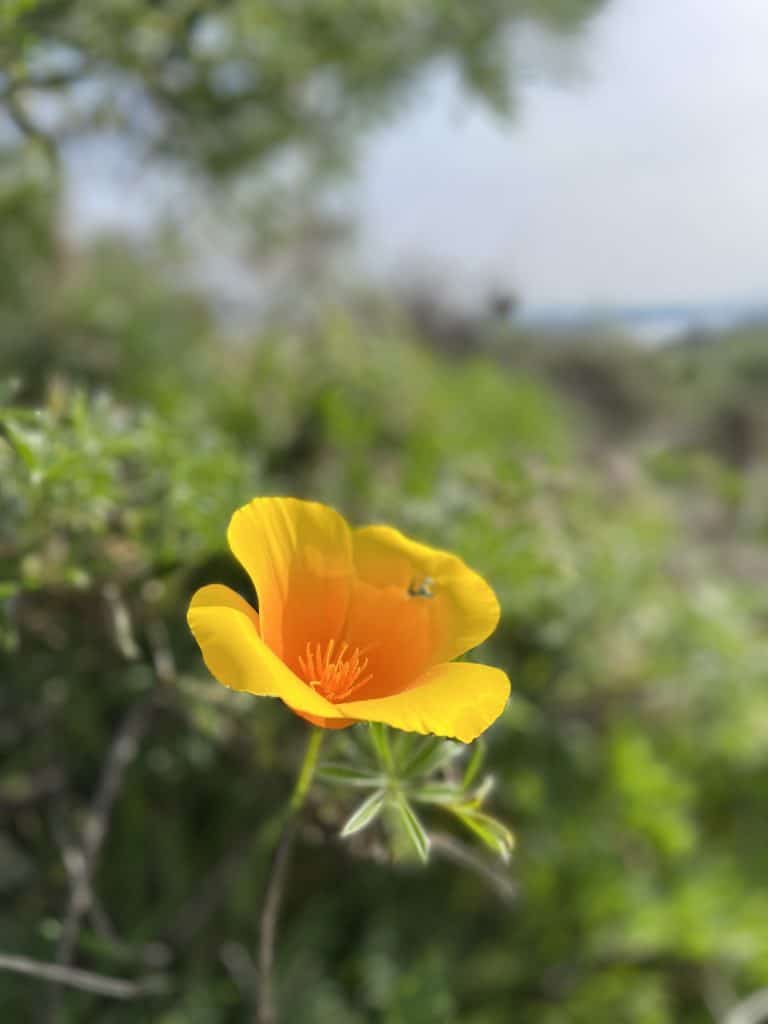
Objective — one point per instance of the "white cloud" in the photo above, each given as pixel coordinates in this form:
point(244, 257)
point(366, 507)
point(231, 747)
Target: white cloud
point(644, 180)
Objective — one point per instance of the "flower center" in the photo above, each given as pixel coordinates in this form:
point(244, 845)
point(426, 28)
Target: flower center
point(335, 672)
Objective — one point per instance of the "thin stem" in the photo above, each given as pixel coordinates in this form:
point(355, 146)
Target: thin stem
point(270, 913)
point(307, 771)
point(751, 1010)
point(87, 981)
point(83, 858)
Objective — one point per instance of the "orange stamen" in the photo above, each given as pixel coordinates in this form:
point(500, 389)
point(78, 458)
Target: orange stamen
point(334, 677)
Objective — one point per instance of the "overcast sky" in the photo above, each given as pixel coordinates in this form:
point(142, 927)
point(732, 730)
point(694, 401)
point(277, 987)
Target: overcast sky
point(643, 178)
point(639, 176)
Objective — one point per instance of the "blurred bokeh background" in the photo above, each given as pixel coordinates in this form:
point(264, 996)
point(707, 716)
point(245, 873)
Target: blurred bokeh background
point(495, 273)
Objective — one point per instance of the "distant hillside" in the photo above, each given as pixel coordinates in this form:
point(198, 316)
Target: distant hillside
point(653, 324)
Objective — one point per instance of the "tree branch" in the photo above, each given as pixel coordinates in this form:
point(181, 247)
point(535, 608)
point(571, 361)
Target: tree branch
point(464, 856)
point(86, 981)
point(28, 127)
point(273, 898)
point(82, 860)
point(752, 1010)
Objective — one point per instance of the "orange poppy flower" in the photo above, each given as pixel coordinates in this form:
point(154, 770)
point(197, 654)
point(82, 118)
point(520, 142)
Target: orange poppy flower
point(353, 625)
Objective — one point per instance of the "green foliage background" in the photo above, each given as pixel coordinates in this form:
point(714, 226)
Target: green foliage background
point(616, 499)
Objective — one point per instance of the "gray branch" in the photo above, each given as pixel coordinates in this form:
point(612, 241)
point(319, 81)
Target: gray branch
point(464, 856)
point(86, 981)
point(82, 860)
point(752, 1010)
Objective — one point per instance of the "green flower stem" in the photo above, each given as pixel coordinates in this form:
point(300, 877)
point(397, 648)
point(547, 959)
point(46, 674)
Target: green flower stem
point(307, 771)
point(265, 1000)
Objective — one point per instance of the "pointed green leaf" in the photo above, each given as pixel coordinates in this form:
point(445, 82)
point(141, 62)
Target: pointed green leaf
point(402, 745)
point(474, 763)
point(496, 836)
point(354, 746)
point(435, 754)
point(25, 444)
point(349, 775)
point(438, 793)
point(482, 792)
point(415, 751)
point(364, 815)
point(474, 800)
point(412, 827)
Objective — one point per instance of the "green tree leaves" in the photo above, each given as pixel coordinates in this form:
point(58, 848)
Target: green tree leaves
point(226, 85)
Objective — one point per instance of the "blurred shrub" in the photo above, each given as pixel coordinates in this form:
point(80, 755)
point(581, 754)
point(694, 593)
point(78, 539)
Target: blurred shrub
point(727, 378)
point(632, 761)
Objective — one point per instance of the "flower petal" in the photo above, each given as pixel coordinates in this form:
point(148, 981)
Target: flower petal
point(458, 700)
point(223, 625)
point(299, 556)
point(458, 607)
point(326, 723)
point(216, 595)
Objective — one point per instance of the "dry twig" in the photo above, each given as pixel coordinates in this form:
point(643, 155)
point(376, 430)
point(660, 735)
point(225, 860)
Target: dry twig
point(453, 849)
point(752, 1010)
point(270, 913)
point(86, 981)
point(82, 860)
